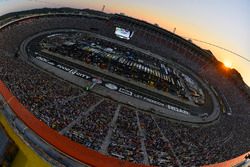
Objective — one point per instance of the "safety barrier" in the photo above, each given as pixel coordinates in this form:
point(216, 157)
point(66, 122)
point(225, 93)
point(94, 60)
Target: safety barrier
point(73, 149)
point(60, 142)
point(230, 163)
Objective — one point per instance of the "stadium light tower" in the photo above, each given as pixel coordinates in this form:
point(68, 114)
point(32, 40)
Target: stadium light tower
point(103, 8)
point(174, 30)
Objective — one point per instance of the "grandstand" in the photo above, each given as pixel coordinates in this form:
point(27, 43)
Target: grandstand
point(152, 97)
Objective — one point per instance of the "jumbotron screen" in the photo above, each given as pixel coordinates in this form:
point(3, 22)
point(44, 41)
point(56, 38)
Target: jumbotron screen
point(123, 33)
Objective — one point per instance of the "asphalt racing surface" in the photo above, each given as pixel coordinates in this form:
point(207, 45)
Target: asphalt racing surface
point(32, 49)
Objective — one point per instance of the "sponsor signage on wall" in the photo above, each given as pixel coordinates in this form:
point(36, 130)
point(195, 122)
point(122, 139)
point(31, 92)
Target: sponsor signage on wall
point(111, 86)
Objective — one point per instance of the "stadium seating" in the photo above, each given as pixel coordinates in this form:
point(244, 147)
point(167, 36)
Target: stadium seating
point(116, 129)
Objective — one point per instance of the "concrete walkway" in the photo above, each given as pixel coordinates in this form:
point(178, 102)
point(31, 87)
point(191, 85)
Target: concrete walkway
point(142, 138)
point(80, 117)
point(107, 140)
point(166, 140)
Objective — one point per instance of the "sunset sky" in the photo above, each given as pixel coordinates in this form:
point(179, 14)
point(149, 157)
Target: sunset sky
point(221, 22)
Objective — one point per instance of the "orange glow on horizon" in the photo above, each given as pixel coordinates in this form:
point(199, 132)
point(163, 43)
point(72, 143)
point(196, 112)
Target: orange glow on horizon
point(227, 64)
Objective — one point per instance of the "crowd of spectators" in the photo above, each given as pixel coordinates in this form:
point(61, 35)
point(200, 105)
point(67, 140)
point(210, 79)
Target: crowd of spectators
point(125, 142)
point(58, 104)
point(157, 147)
point(53, 101)
point(199, 145)
point(92, 129)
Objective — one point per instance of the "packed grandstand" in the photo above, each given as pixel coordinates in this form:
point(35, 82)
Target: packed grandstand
point(142, 95)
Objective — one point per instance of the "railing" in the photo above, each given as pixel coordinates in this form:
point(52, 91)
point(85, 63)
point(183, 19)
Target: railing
point(64, 144)
point(230, 163)
point(61, 143)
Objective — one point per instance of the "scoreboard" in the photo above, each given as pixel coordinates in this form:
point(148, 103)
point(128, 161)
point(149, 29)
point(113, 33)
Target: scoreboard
point(123, 33)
